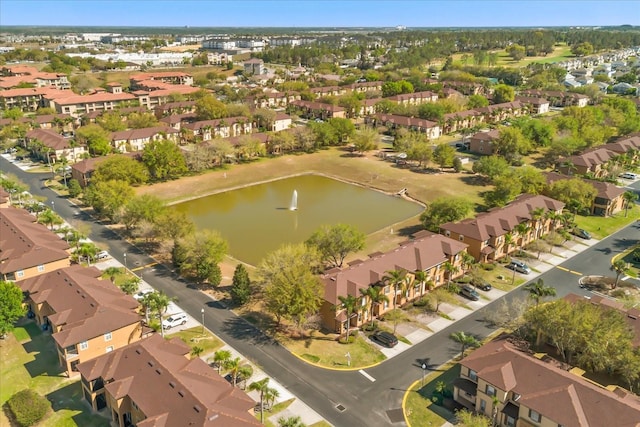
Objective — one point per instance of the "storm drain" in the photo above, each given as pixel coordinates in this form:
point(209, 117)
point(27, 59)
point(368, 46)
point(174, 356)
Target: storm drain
point(340, 408)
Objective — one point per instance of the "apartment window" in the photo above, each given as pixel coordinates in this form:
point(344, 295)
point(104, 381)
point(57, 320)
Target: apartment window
point(534, 415)
point(510, 422)
point(461, 237)
point(516, 397)
point(41, 268)
point(107, 336)
point(109, 349)
point(386, 289)
point(483, 405)
point(447, 233)
point(386, 304)
point(473, 375)
point(84, 345)
point(490, 390)
point(20, 273)
point(364, 301)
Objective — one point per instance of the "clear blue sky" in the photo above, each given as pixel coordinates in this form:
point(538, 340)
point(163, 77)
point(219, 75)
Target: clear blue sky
point(306, 13)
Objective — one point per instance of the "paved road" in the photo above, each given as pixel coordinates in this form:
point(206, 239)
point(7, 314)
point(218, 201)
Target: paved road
point(365, 402)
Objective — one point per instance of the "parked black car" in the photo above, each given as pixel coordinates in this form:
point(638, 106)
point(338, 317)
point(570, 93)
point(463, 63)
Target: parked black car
point(583, 234)
point(482, 285)
point(385, 338)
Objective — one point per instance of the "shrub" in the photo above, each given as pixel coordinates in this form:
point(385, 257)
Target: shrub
point(488, 266)
point(311, 357)
point(28, 407)
point(343, 340)
point(422, 302)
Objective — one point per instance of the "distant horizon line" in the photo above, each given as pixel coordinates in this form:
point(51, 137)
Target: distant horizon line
point(310, 27)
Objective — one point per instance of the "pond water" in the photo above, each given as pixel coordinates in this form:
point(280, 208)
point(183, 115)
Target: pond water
point(257, 219)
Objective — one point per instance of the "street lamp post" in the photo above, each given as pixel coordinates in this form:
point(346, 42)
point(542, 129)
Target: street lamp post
point(125, 260)
point(53, 205)
point(202, 311)
point(424, 370)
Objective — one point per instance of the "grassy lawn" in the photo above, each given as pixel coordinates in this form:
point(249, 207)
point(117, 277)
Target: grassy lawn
point(273, 411)
point(323, 349)
point(193, 337)
point(601, 227)
point(560, 53)
point(29, 360)
point(419, 410)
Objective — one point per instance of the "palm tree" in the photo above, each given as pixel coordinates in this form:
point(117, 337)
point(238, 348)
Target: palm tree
point(270, 396)
point(157, 302)
point(375, 296)
point(112, 272)
point(523, 230)
point(220, 357)
point(236, 370)
point(538, 290)
point(451, 269)
point(131, 285)
point(348, 303)
point(628, 197)
point(291, 422)
point(466, 261)
point(508, 241)
point(536, 215)
point(196, 351)
point(263, 387)
point(466, 341)
point(619, 267)
point(50, 218)
point(394, 278)
point(88, 250)
point(420, 276)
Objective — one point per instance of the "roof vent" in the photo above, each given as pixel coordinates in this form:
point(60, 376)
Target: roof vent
point(158, 371)
point(197, 408)
point(181, 393)
point(172, 384)
point(138, 351)
point(150, 363)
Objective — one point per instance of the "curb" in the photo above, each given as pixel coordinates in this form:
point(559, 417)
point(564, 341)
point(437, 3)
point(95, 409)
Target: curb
point(348, 369)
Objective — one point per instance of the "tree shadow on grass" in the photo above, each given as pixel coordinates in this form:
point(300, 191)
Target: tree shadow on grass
point(241, 329)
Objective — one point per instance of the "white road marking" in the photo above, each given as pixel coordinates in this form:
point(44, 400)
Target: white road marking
point(367, 376)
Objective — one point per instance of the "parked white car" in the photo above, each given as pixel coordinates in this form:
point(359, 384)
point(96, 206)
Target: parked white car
point(628, 175)
point(174, 320)
point(141, 294)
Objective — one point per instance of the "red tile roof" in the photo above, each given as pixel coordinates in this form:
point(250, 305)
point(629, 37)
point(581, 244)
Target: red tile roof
point(406, 121)
point(65, 99)
point(185, 392)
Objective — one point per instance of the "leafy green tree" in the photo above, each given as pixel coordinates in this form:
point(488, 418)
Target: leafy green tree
point(240, 285)
point(13, 113)
point(290, 287)
point(506, 190)
point(11, 308)
point(324, 134)
point(344, 128)
point(396, 88)
point(503, 93)
point(443, 155)
point(74, 188)
point(539, 132)
point(335, 242)
point(511, 144)
point(532, 180)
point(201, 254)
point(582, 49)
point(431, 111)
point(141, 120)
point(491, 166)
point(172, 224)
point(466, 418)
point(465, 341)
point(121, 168)
point(365, 140)
point(477, 101)
point(620, 267)
point(575, 192)
point(443, 210)
point(164, 160)
point(420, 152)
point(145, 207)
point(108, 197)
point(516, 51)
point(95, 138)
point(209, 108)
point(111, 121)
point(538, 290)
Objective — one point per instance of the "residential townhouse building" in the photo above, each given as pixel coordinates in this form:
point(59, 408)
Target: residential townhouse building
point(87, 316)
point(60, 122)
point(219, 128)
point(318, 110)
point(558, 98)
point(5, 198)
point(178, 107)
point(154, 382)
point(28, 99)
point(12, 76)
point(368, 106)
point(281, 122)
point(177, 120)
point(535, 105)
point(136, 139)
point(482, 142)
point(427, 252)
point(272, 99)
point(364, 87)
point(219, 58)
point(324, 91)
point(592, 162)
point(608, 200)
point(28, 249)
point(467, 119)
point(506, 110)
point(52, 147)
point(391, 121)
point(486, 234)
point(170, 77)
point(77, 105)
point(254, 66)
point(414, 98)
point(530, 390)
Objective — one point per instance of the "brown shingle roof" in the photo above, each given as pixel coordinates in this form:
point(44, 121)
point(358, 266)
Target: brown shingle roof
point(498, 222)
point(49, 138)
point(170, 389)
point(605, 190)
point(142, 133)
point(85, 306)
point(25, 243)
point(556, 394)
point(426, 251)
